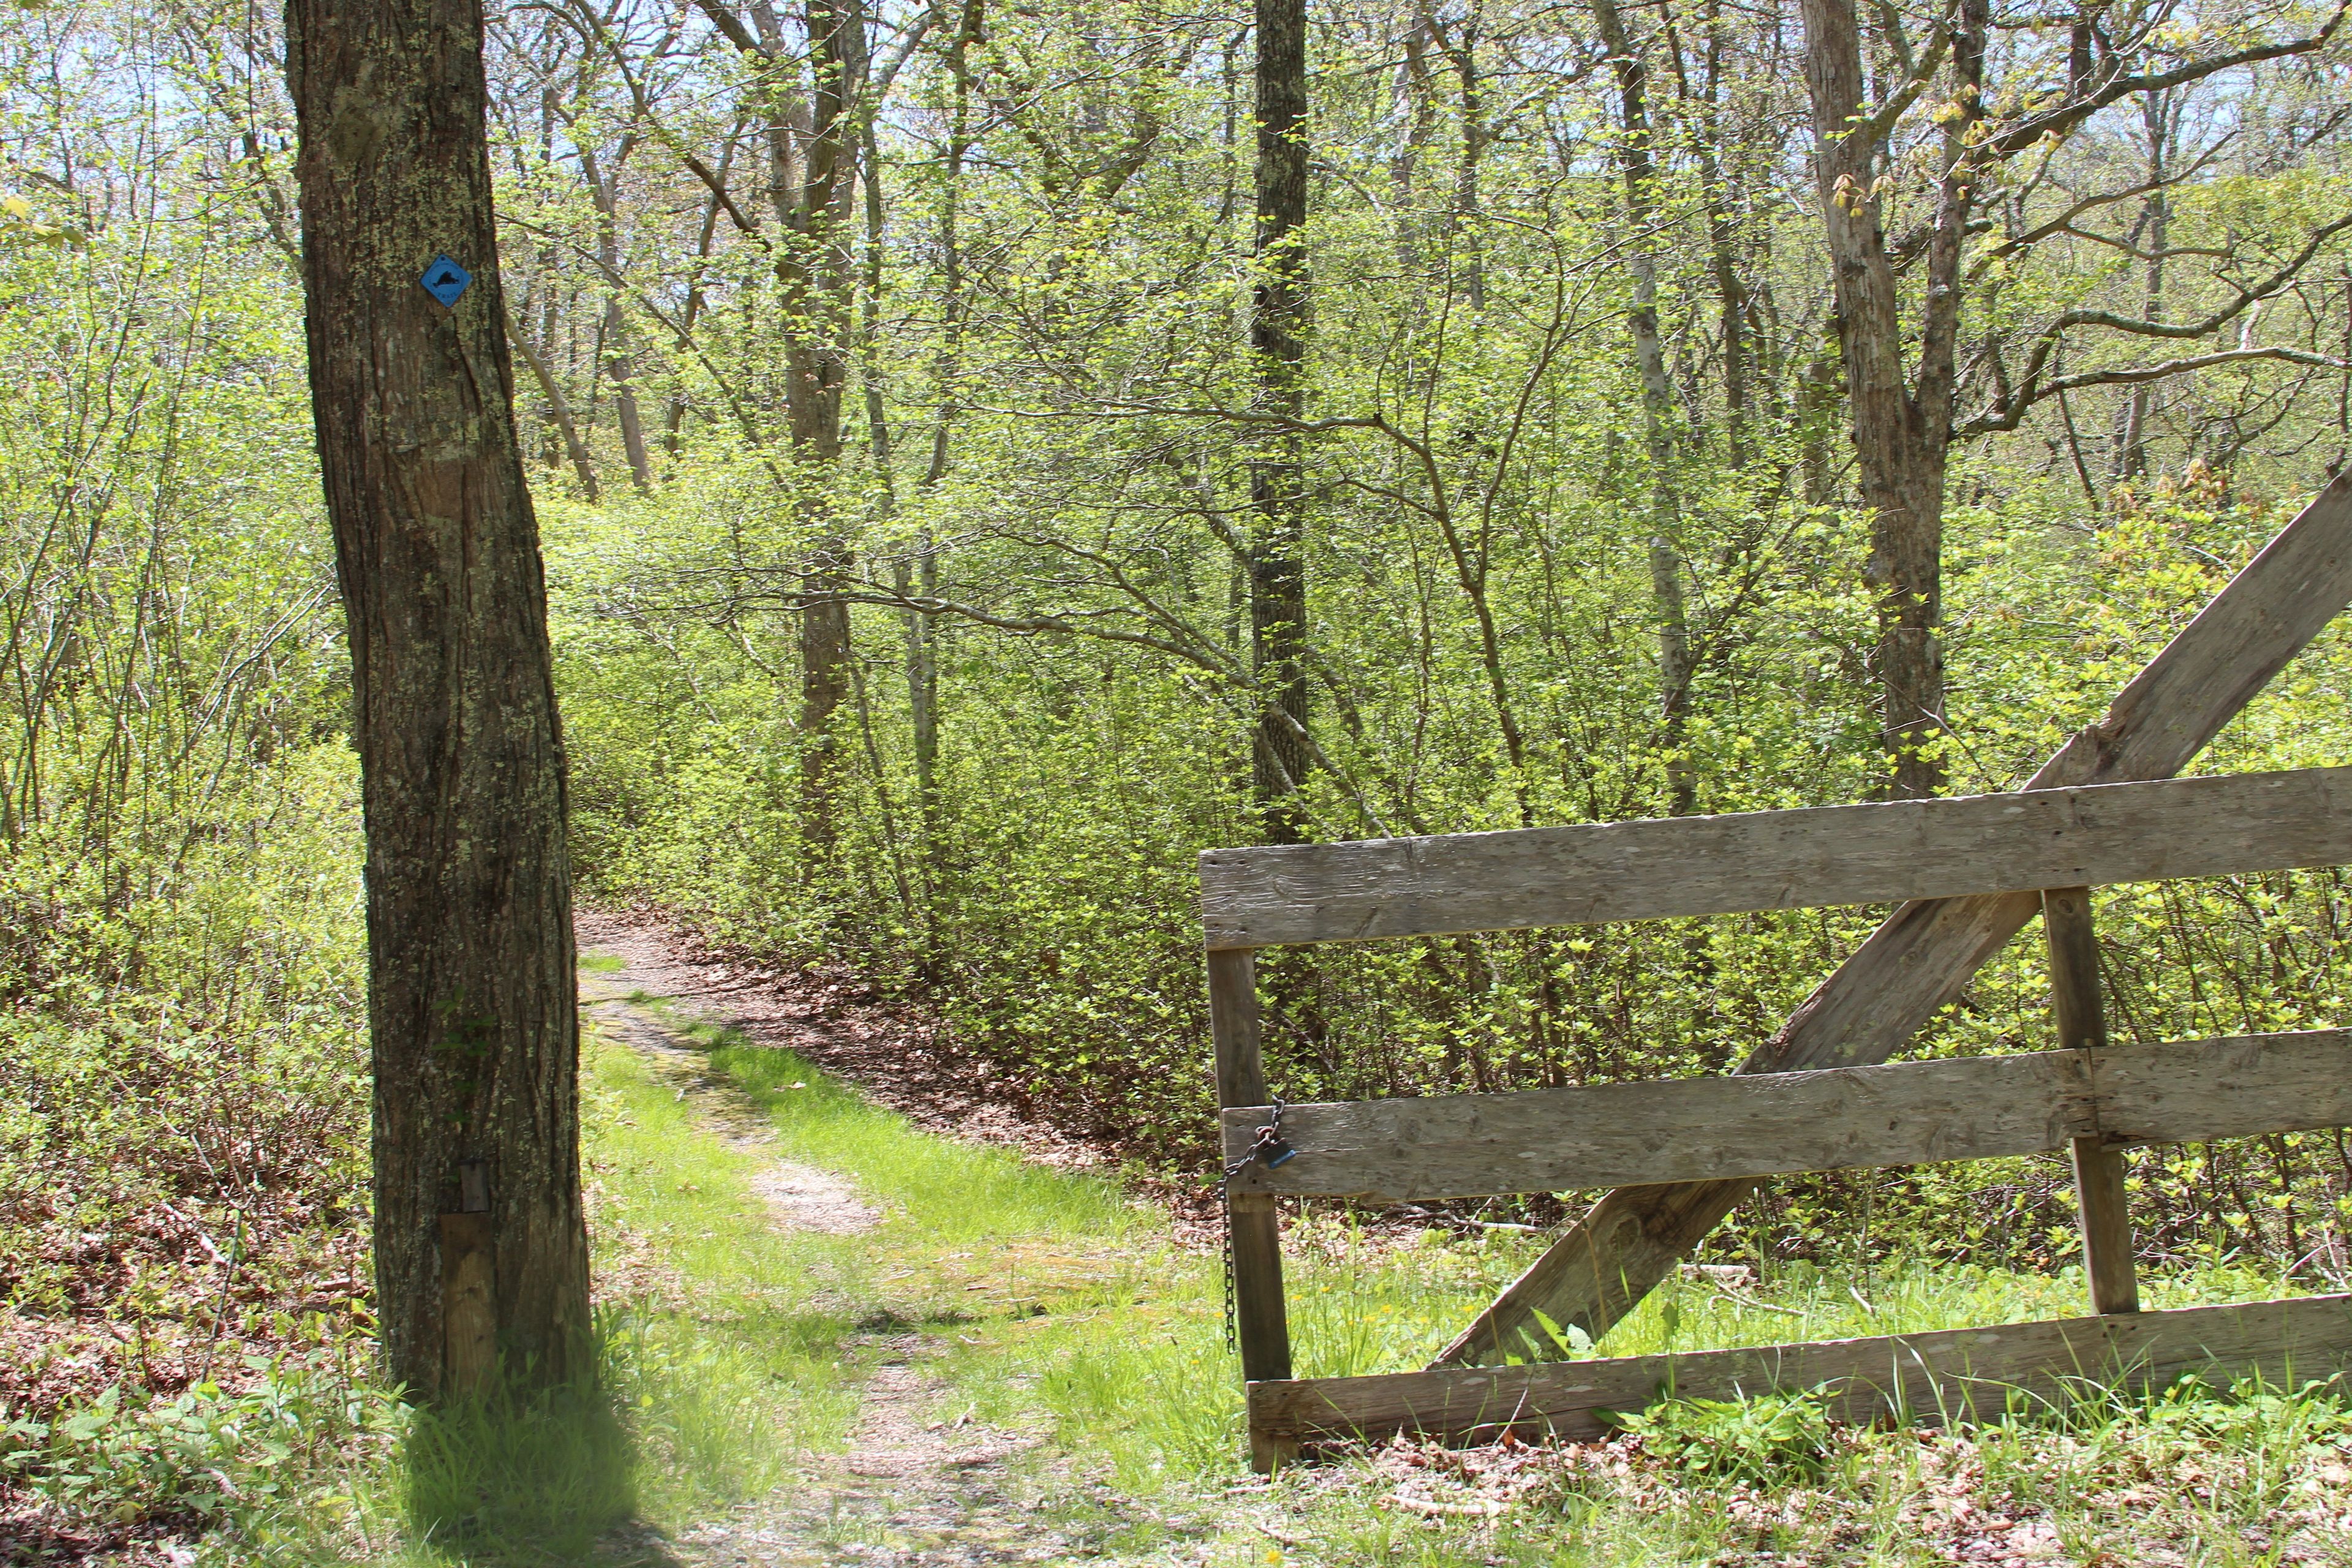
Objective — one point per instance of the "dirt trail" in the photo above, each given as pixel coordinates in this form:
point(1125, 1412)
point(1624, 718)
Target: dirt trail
point(913, 1488)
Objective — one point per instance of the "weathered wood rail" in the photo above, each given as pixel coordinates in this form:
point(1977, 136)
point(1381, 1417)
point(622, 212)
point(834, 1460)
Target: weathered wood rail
point(1968, 873)
point(1930, 1377)
point(1718, 1129)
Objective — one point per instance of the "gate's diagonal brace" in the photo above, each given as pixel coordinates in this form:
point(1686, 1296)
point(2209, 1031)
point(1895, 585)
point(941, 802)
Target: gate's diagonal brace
point(1928, 951)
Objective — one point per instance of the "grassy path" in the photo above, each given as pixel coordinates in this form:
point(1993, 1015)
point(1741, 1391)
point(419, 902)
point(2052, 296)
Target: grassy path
point(841, 1339)
point(869, 1270)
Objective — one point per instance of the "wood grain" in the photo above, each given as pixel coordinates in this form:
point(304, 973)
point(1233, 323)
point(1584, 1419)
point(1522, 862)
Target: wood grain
point(1922, 957)
point(1708, 1129)
point(2080, 1012)
point(470, 1321)
point(1930, 1377)
point(1261, 1319)
point(1882, 853)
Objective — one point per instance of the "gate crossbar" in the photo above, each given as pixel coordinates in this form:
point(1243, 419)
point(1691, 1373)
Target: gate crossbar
point(1970, 868)
point(1772, 1124)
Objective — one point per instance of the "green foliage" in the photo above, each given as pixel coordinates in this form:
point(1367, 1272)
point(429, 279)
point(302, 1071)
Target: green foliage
point(1045, 908)
point(236, 1460)
point(1055, 461)
point(1772, 1439)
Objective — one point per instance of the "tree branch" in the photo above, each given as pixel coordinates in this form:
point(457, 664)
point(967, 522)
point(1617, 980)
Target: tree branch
point(2062, 121)
point(2009, 416)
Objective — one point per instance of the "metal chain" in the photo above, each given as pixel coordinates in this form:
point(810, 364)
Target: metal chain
point(1268, 1146)
point(1233, 1290)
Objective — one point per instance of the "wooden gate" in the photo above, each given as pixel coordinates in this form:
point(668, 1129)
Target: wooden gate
point(1968, 874)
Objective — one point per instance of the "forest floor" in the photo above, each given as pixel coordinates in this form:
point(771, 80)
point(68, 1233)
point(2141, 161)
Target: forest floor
point(857, 1306)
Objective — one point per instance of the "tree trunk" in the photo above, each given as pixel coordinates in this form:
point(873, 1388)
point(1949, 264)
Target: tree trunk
point(472, 1007)
point(558, 413)
point(818, 278)
point(1278, 567)
point(619, 368)
point(1460, 42)
point(1730, 292)
point(1674, 665)
point(1901, 438)
point(1419, 98)
point(674, 420)
point(2154, 230)
point(922, 633)
point(612, 335)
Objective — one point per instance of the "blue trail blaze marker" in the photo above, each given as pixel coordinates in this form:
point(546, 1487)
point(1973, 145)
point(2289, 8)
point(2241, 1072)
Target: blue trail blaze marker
point(445, 281)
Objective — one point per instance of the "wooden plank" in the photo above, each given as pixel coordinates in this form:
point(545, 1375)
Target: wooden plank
point(470, 1320)
point(2105, 1208)
point(1881, 853)
point(1923, 956)
point(2080, 1012)
point(2076, 1006)
point(1674, 1130)
point(2236, 1086)
point(1707, 1129)
point(1261, 1319)
point(1234, 1028)
point(1930, 1377)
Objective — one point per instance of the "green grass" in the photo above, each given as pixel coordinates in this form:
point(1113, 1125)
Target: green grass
point(720, 1362)
point(1054, 1304)
point(1078, 1314)
point(939, 1192)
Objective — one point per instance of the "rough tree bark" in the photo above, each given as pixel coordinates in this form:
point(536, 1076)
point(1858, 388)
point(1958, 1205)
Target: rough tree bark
point(471, 1000)
point(1902, 434)
point(1278, 566)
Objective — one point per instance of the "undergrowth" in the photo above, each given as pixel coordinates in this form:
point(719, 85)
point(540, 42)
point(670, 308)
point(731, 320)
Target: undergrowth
point(1057, 1307)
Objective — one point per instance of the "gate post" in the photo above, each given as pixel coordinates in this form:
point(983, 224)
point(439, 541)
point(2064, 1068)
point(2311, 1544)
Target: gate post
point(2080, 1016)
point(1261, 1321)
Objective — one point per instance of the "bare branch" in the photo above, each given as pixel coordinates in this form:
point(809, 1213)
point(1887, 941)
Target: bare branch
point(2010, 415)
point(727, 21)
point(2062, 121)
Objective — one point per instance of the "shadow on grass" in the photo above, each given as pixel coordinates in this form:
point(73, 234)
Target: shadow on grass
point(520, 1477)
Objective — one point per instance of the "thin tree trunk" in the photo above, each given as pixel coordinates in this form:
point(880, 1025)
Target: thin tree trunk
point(558, 412)
point(1278, 567)
point(819, 280)
point(1674, 666)
point(621, 369)
point(674, 420)
point(1730, 292)
point(472, 1007)
point(1419, 97)
point(612, 335)
point(2156, 226)
point(922, 634)
point(878, 445)
point(1817, 417)
point(1461, 46)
